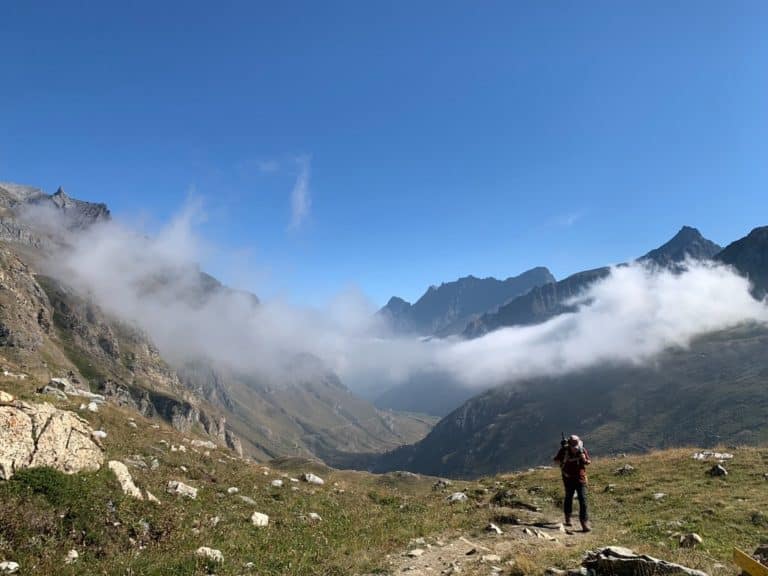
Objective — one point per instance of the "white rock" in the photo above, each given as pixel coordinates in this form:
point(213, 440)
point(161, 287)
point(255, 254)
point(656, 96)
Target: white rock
point(690, 540)
point(312, 479)
point(210, 554)
point(415, 553)
point(233, 490)
point(72, 557)
point(93, 407)
point(181, 489)
point(36, 435)
point(493, 528)
point(132, 424)
point(203, 444)
point(5, 398)
point(490, 558)
point(276, 483)
point(152, 498)
point(659, 495)
point(294, 480)
point(124, 477)
point(9, 567)
point(457, 497)
point(314, 517)
point(99, 434)
point(259, 519)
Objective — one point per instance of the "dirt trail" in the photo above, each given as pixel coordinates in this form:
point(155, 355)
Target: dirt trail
point(481, 553)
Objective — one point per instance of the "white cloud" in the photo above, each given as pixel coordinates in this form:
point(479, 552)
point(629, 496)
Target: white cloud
point(628, 317)
point(301, 200)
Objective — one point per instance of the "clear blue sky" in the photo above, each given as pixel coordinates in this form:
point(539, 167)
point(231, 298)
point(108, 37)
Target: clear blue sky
point(443, 138)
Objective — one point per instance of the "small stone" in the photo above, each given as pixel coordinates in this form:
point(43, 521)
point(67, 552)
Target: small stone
point(312, 479)
point(232, 490)
point(415, 553)
point(249, 565)
point(132, 424)
point(210, 554)
point(9, 567)
point(659, 496)
point(203, 444)
point(260, 520)
point(215, 521)
point(247, 499)
point(152, 498)
point(314, 517)
point(490, 558)
point(276, 483)
point(92, 407)
point(690, 540)
point(610, 488)
point(99, 434)
point(457, 497)
point(181, 489)
point(493, 528)
point(72, 557)
point(718, 470)
point(625, 470)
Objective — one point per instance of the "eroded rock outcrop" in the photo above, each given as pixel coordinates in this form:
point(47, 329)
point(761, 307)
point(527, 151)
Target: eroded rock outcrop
point(33, 435)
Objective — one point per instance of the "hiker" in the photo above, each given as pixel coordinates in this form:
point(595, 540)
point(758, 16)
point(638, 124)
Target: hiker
point(573, 459)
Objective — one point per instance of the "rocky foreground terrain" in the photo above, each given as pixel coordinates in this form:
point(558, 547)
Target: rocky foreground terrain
point(91, 487)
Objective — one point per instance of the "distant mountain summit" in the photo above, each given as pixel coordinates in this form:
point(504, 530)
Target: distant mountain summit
point(687, 243)
point(33, 218)
point(545, 302)
point(444, 310)
point(750, 257)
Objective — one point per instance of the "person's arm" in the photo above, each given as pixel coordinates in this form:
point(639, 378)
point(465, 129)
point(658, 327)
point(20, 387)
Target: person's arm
point(585, 457)
point(560, 456)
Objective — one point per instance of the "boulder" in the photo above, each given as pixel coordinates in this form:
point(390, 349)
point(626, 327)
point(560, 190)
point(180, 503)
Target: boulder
point(181, 489)
point(625, 470)
point(51, 391)
point(5, 398)
point(42, 435)
point(125, 480)
point(617, 561)
point(259, 520)
point(457, 497)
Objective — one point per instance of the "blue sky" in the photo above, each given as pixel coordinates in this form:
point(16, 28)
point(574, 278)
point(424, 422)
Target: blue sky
point(429, 140)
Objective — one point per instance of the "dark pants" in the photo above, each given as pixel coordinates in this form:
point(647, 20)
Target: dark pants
point(580, 489)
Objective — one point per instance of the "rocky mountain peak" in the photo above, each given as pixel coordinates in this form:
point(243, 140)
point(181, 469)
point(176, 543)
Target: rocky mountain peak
point(687, 243)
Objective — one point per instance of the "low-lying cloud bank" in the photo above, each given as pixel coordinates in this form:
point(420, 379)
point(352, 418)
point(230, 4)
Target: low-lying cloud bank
point(630, 316)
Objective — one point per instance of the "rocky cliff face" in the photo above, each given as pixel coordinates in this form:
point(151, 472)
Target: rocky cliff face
point(750, 257)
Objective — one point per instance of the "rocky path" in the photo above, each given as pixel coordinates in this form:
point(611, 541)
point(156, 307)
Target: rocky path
point(482, 553)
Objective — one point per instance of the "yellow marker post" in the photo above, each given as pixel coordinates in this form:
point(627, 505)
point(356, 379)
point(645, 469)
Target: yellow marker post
point(749, 564)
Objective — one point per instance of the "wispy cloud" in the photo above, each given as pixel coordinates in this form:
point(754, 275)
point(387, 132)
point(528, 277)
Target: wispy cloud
point(568, 219)
point(301, 200)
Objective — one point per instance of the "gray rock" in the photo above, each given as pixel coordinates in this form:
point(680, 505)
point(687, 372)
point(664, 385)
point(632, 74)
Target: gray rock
point(617, 561)
point(42, 435)
point(181, 489)
point(625, 470)
point(51, 391)
point(690, 540)
point(457, 497)
point(210, 554)
point(718, 470)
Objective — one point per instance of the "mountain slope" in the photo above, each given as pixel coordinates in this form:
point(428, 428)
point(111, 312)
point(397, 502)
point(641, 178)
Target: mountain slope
point(48, 329)
point(550, 300)
point(715, 392)
point(749, 256)
point(444, 310)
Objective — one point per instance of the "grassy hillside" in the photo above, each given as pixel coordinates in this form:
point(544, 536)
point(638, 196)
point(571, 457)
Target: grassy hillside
point(368, 521)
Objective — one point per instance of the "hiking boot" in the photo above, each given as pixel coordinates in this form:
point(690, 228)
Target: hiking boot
point(567, 521)
point(586, 526)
